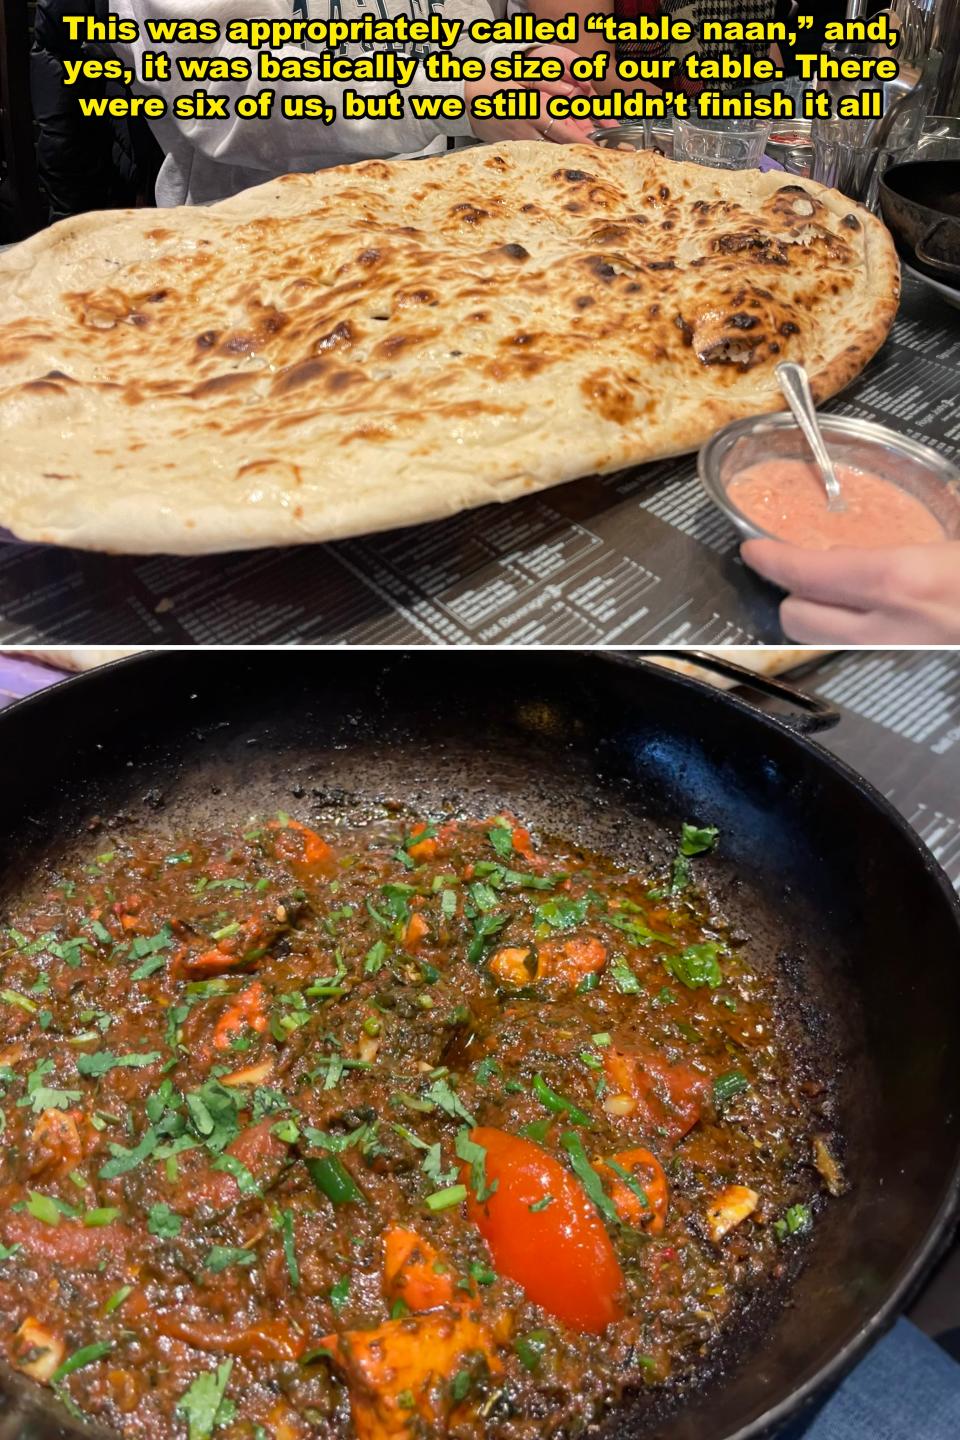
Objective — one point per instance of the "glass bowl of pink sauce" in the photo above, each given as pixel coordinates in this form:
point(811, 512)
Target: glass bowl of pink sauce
point(761, 473)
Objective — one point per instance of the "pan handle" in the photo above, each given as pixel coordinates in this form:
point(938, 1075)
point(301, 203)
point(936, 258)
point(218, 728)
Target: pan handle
point(814, 714)
point(945, 267)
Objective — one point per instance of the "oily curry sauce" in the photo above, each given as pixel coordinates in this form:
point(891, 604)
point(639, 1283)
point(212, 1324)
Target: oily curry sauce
point(421, 1128)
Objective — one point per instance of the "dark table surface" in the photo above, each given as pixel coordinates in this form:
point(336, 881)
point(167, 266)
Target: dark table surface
point(637, 558)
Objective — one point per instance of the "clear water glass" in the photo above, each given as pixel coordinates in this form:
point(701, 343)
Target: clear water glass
point(723, 144)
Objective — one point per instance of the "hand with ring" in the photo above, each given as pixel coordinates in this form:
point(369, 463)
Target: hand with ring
point(555, 129)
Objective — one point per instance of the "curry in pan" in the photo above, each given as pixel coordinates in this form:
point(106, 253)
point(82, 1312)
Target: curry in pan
point(416, 1129)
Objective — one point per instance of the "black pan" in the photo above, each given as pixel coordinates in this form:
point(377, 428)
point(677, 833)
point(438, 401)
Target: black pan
point(920, 202)
point(838, 893)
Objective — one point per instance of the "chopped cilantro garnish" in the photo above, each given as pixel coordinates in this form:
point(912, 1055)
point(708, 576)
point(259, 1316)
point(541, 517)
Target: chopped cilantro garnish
point(150, 966)
point(695, 839)
point(203, 1406)
point(475, 1156)
point(124, 1160)
point(796, 1220)
point(624, 978)
point(561, 914)
point(483, 896)
point(433, 1167)
point(103, 1060)
point(587, 1176)
point(448, 903)
point(212, 1114)
point(375, 958)
point(531, 1348)
point(164, 1222)
point(42, 1097)
point(289, 1247)
point(484, 928)
point(219, 1257)
point(340, 1293)
point(43, 1207)
point(442, 1095)
point(486, 1071)
point(246, 1182)
point(102, 1215)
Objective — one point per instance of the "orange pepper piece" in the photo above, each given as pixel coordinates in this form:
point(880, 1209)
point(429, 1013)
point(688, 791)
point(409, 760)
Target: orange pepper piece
point(410, 1359)
point(566, 961)
point(301, 845)
point(417, 928)
point(644, 1166)
point(425, 849)
point(570, 961)
point(245, 1012)
point(414, 1272)
point(511, 966)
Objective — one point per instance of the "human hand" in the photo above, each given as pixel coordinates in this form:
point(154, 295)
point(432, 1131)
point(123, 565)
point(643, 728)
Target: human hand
point(559, 131)
point(898, 595)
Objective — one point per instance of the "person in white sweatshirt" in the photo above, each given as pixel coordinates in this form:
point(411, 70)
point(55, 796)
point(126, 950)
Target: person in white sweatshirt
point(209, 159)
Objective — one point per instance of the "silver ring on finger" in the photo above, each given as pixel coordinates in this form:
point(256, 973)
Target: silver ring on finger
point(546, 133)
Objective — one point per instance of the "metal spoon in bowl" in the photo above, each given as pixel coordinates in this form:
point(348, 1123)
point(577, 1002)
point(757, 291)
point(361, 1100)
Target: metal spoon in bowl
point(796, 391)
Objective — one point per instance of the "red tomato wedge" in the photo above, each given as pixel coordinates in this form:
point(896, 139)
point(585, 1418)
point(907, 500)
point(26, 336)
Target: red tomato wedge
point(669, 1098)
point(561, 1255)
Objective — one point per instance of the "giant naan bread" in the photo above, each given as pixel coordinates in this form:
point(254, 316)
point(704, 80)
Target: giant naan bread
point(385, 343)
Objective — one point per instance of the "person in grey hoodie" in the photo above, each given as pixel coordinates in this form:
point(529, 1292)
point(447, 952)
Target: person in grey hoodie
point(209, 159)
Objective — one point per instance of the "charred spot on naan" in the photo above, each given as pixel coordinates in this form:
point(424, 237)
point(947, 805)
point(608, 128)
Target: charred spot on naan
point(415, 295)
point(510, 251)
point(795, 203)
point(751, 244)
point(465, 213)
point(609, 268)
point(589, 192)
point(744, 328)
point(612, 232)
point(798, 217)
point(609, 395)
point(340, 337)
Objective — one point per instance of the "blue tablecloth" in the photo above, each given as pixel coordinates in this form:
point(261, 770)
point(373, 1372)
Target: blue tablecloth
point(907, 1388)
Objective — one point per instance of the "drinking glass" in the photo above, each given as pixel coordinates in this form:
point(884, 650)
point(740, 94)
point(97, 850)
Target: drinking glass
point(723, 144)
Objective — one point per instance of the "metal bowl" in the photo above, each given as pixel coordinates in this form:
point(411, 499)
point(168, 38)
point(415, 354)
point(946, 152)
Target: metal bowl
point(915, 468)
point(920, 201)
point(631, 137)
point(796, 153)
